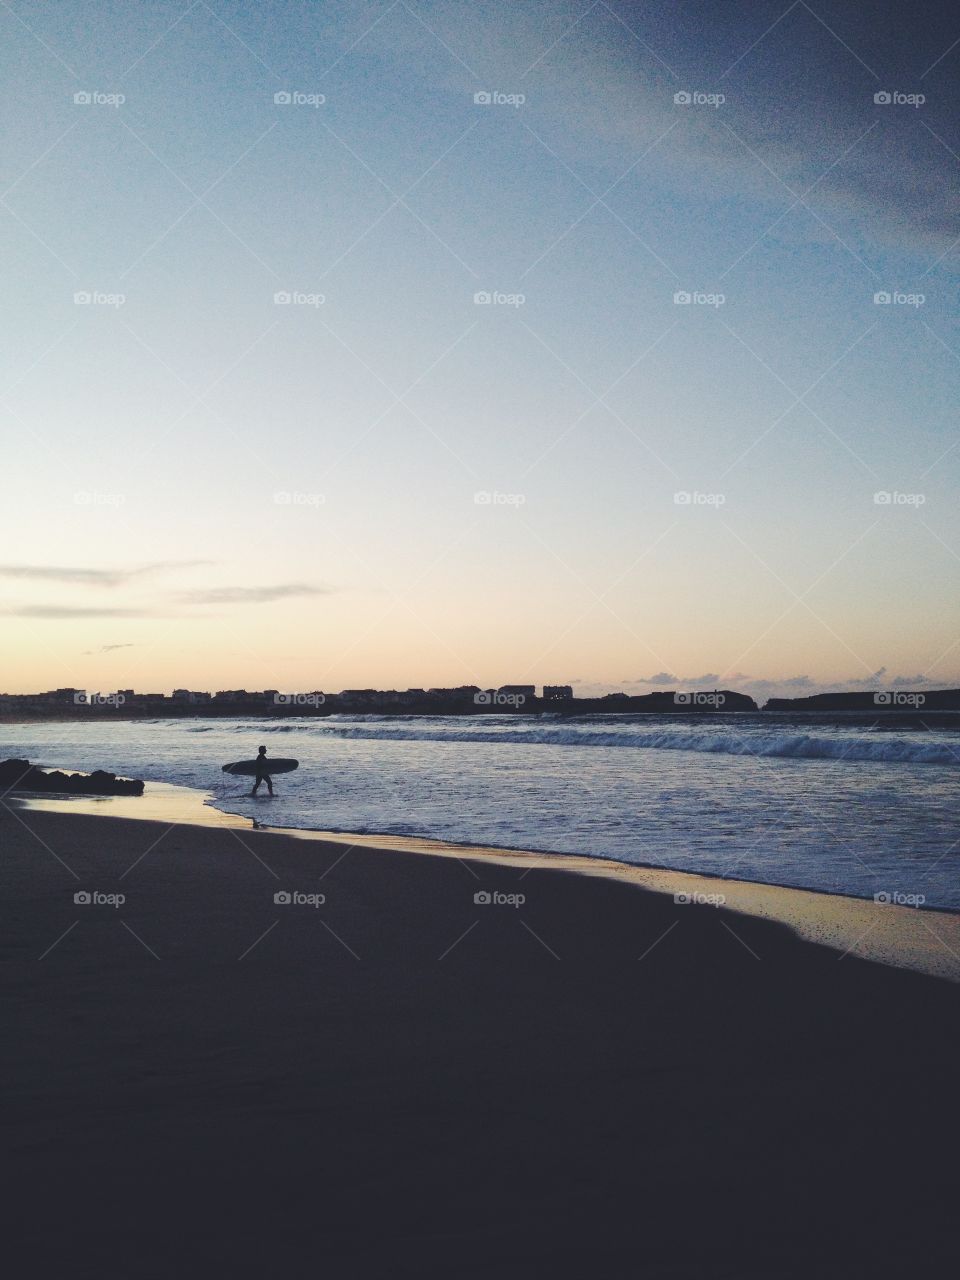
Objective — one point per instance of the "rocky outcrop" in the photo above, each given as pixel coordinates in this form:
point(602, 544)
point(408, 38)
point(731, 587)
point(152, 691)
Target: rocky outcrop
point(897, 700)
point(21, 775)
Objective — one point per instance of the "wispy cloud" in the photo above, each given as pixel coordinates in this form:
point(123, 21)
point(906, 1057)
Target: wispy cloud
point(88, 577)
point(69, 611)
point(252, 595)
point(108, 648)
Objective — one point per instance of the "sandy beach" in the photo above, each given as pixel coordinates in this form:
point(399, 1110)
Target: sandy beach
point(388, 1077)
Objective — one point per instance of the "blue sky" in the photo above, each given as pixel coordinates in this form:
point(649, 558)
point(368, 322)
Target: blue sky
point(684, 489)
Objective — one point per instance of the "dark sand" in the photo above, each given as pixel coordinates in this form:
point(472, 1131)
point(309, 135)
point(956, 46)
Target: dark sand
point(358, 1093)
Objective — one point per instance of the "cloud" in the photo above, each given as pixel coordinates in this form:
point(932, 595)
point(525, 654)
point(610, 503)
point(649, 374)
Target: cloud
point(252, 595)
point(107, 648)
point(87, 577)
point(68, 611)
point(59, 573)
point(873, 172)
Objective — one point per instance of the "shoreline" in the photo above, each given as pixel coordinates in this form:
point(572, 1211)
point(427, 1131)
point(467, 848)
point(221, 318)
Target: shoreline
point(884, 933)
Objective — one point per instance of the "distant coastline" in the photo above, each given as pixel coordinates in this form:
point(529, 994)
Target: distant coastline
point(70, 704)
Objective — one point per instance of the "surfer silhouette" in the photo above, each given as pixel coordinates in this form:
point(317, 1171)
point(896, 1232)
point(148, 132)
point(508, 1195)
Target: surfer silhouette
point(261, 774)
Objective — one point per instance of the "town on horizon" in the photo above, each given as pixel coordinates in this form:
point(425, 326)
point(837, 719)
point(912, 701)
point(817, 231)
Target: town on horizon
point(461, 700)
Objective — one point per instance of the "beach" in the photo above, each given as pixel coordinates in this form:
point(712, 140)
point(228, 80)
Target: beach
point(386, 1075)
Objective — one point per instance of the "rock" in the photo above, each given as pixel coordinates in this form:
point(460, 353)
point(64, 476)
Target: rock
point(21, 775)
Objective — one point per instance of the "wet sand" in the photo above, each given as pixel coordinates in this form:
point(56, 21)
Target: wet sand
point(403, 1081)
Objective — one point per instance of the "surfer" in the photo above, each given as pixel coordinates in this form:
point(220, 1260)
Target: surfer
point(261, 774)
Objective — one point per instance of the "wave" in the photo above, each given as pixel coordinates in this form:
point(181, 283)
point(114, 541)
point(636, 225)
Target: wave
point(744, 741)
point(787, 746)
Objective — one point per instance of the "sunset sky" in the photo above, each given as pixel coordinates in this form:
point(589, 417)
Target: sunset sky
point(382, 481)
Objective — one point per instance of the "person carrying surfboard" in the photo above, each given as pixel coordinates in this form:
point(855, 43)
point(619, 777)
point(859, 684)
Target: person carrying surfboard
point(261, 774)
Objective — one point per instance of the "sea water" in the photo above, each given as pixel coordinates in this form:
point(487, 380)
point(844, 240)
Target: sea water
point(848, 808)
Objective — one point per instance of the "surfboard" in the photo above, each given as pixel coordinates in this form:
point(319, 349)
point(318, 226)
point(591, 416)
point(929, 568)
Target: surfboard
point(249, 767)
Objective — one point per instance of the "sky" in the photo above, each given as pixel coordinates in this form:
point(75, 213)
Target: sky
point(435, 343)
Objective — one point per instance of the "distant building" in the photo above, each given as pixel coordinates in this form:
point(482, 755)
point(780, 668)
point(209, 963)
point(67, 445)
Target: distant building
point(366, 696)
point(190, 696)
point(518, 690)
point(557, 692)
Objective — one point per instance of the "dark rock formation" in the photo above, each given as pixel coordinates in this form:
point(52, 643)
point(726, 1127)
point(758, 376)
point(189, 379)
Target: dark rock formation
point(889, 700)
point(21, 775)
point(680, 702)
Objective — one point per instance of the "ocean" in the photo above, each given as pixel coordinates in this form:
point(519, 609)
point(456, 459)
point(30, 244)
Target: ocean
point(840, 807)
